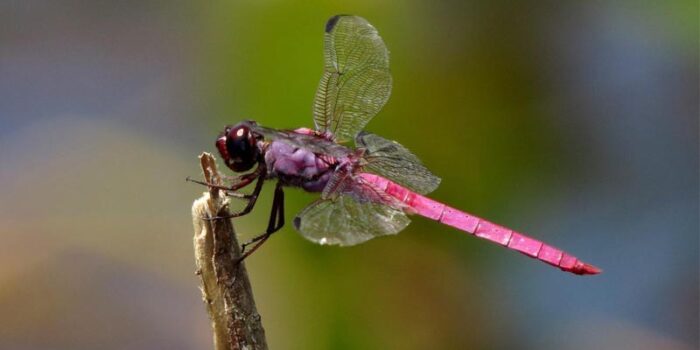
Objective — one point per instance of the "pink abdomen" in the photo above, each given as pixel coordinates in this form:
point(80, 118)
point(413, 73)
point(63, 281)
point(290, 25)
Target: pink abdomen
point(426, 207)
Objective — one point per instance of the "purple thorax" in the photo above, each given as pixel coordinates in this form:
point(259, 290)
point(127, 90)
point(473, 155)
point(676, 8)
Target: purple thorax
point(298, 166)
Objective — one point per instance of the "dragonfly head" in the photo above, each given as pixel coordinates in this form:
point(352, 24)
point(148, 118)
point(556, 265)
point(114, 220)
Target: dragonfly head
point(238, 147)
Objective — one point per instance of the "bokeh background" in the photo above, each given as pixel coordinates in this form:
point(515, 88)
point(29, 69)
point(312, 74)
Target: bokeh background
point(575, 122)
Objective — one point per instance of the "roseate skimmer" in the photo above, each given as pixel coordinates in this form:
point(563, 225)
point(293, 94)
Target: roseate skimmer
point(366, 191)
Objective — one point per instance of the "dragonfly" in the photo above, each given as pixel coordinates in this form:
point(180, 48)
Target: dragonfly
point(368, 190)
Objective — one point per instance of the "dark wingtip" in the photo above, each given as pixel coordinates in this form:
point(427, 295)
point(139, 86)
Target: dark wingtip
point(296, 222)
point(360, 138)
point(332, 22)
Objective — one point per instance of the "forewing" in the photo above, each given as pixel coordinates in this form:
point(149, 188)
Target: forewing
point(313, 143)
point(346, 221)
point(392, 160)
point(356, 81)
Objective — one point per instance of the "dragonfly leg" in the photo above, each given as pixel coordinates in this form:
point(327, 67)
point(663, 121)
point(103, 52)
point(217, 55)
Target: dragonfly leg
point(227, 190)
point(238, 181)
point(252, 199)
point(275, 224)
point(241, 182)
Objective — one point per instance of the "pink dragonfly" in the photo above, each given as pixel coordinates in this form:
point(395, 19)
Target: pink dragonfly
point(366, 191)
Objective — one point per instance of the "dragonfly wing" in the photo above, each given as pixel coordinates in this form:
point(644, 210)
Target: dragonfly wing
point(356, 81)
point(392, 160)
point(355, 212)
point(313, 143)
point(346, 221)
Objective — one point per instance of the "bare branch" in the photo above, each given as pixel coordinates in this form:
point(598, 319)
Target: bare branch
point(225, 286)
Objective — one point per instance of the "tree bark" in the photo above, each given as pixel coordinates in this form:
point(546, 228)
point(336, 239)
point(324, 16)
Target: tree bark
point(225, 285)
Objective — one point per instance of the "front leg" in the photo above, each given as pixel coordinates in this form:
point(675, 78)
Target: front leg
point(252, 199)
point(238, 183)
point(227, 190)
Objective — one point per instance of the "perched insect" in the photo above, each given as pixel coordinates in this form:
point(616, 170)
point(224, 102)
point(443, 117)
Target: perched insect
point(367, 191)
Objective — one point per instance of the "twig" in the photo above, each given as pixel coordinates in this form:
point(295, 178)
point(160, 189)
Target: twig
point(225, 286)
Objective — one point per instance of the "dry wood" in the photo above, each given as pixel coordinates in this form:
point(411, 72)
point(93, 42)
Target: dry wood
point(225, 286)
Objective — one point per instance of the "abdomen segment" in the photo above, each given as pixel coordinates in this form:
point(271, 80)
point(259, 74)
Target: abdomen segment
point(431, 209)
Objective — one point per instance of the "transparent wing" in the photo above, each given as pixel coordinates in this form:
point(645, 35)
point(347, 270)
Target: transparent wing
point(356, 81)
point(346, 221)
point(316, 144)
point(395, 162)
point(359, 212)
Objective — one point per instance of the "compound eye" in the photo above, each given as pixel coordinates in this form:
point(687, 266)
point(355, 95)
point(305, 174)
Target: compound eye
point(241, 148)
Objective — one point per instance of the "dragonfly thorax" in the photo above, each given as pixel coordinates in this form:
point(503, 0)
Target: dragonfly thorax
point(297, 166)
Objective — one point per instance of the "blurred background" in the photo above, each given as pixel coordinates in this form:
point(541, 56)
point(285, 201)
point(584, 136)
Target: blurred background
point(575, 122)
